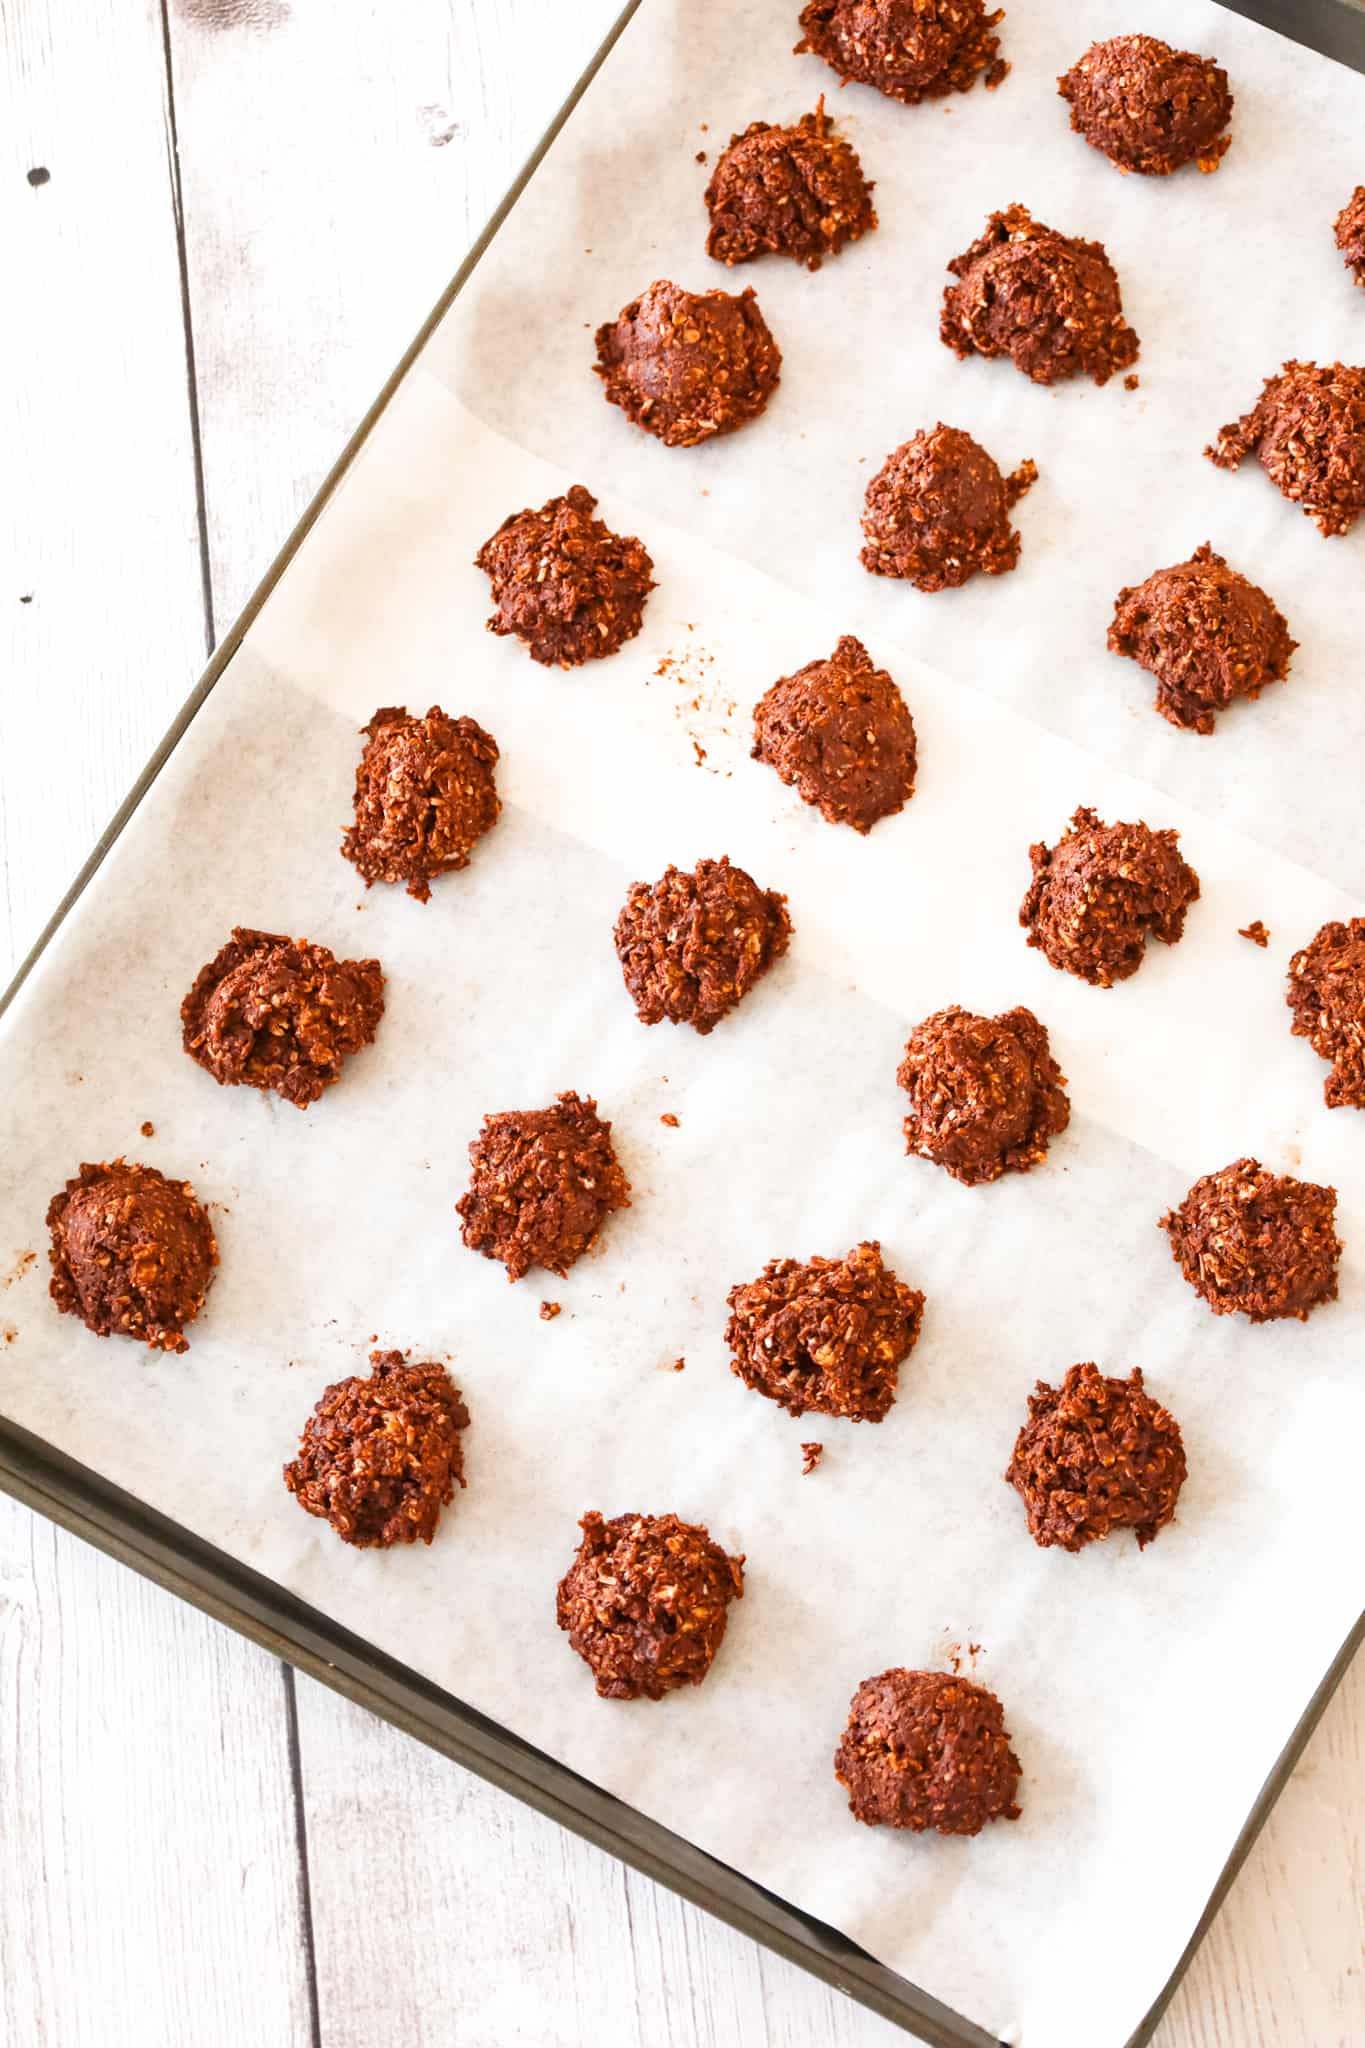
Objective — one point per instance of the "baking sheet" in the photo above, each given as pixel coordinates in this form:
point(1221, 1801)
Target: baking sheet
point(1142, 1698)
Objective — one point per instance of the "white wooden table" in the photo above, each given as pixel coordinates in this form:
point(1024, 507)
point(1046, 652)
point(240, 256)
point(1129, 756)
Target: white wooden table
point(248, 207)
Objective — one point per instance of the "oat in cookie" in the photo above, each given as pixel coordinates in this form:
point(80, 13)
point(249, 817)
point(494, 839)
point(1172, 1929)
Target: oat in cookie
point(924, 1749)
point(986, 1096)
point(826, 1335)
point(1206, 633)
point(839, 732)
point(132, 1253)
point(687, 366)
point(280, 1014)
point(424, 796)
point(1350, 234)
point(542, 1184)
point(937, 512)
point(1327, 997)
point(911, 50)
point(1256, 1243)
point(645, 1603)
point(797, 192)
point(1048, 301)
point(1096, 1455)
point(1307, 431)
point(1147, 107)
point(567, 586)
point(692, 945)
point(1101, 893)
point(381, 1456)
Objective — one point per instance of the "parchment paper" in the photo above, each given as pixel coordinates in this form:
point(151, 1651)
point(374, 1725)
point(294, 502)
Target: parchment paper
point(1148, 1695)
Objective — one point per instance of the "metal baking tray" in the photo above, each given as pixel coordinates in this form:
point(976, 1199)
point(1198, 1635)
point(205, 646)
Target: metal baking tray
point(47, 1480)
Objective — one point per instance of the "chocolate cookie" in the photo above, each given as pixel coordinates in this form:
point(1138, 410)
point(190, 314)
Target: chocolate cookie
point(280, 1014)
point(1351, 234)
point(424, 796)
point(911, 50)
point(1049, 302)
point(937, 511)
point(691, 946)
point(839, 732)
point(1307, 430)
point(1206, 633)
point(1256, 1243)
point(985, 1094)
point(132, 1253)
point(1147, 107)
point(380, 1457)
point(1327, 996)
point(1100, 893)
point(564, 583)
point(687, 366)
point(645, 1603)
point(829, 1335)
point(797, 192)
point(543, 1183)
point(925, 1750)
point(1095, 1455)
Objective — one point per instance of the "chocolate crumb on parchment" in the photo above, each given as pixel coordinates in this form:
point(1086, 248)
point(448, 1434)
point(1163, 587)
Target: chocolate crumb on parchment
point(425, 795)
point(986, 1096)
point(1350, 235)
point(826, 1335)
point(549, 1310)
point(280, 1014)
point(1147, 107)
point(669, 1119)
point(687, 366)
point(811, 1455)
point(1206, 633)
point(542, 1184)
point(132, 1253)
point(1096, 1455)
point(380, 1456)
point(691, 946)
point(1048, 301)
point(911, 50)
point(1255, 931)
point(797, 191)
point(645, 1603)
point(1257, 1243)
point(1307, 431)
point(1101, 892)
point(937, 512)
point(1327, 996)
point(839, 732)
point(568, 587)
point(927, 1749)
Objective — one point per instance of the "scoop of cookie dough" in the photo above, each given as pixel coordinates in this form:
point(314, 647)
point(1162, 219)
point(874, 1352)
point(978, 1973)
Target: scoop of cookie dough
point(985, 1094)
point(380, 1457)
point(840, 733)
point(424, 796)
point(1256, 1243)
point(1351, 234)
point(543, 1183)
point(1147, 107)
point(280, 1014)
point(687, 366)
point(926, 1750)
point(1327, 996)
point(829, 1335)
point(645, 1603)
point(564, 583)
point(1206, 633)
point(1096, 1455)
point(691, 946)
point(1049, 302)
point(797, 192)
point(938, 511)
point(132, 1253)
point(1307, 430)
point(1100, 892)
point(911, 50)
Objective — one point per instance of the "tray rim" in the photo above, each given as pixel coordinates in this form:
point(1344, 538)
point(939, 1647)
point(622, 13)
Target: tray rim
point(44, 1478)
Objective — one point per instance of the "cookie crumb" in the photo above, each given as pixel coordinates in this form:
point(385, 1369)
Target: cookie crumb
point(549, 1310)
point(1131, 381)
point(669, 1119)
point(680, 1365)
point(1255, 931)
point(811, 1455)
point(701, 156)
point(149, 1129)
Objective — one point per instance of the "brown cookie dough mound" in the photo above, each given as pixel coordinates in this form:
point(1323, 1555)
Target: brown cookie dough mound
point(380, 1457)
point(985, 1094)
point(1100, 893)
point(687, 366)
point(1327, 996)
point(544, 1182)
point(1095, 1455)
point(691, 946)
point(564, 583)
point(938, 510)
point(132, 1253)
point(829, 1335)
point(1307, 430)
point(840, 733)
point(1206, 633)
point(926, 1750)
point(1049, 302)
point(1256, 1243)
point(911, 50)
point(797, 192)
point(424, 796)
point(645, 1603)
point(1147, 107)
point(1351, 234)
point(280, 1014)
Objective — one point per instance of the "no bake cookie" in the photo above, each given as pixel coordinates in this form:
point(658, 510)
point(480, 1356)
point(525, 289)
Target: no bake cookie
point(1101, 892)
point(797, 192)
point(1307, 431)
point(911, 50)
point(1206, 633)
point(692, 945)
point(1257, 1243)
point(1096, 1455)
point(542, 1184)
point(1048, 301)
point(923, 1750)
point(645, 1603)
point(567, 586)
point(687, 366)
point(424, 796)
point(132, 1253)
point(280, 1014)
point(986, 1096)
point(828, 1335)
point(381, 1456)
point(1147, 107)
point(839, 732)
point(937, 511)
